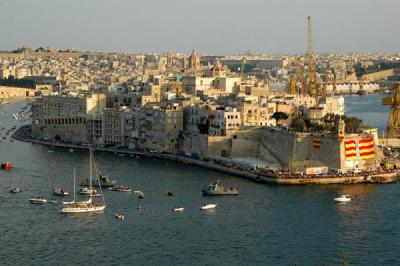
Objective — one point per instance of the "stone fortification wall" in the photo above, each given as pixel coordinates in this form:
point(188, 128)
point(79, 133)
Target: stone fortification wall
point(280, 144)
point(297, 150)
point(69, 133)
point(236, 143)
point(16, 92)
point(245, 148)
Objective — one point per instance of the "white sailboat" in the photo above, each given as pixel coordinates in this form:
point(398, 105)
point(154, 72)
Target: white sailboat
point(88, 206)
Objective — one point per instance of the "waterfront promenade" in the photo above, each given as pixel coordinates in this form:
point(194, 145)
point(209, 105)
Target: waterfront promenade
point(261, 176)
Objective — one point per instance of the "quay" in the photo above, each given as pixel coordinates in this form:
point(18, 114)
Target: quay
point(264, 176)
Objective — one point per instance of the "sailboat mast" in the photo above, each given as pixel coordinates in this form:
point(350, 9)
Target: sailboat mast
point(90, 169)
point(74, 187)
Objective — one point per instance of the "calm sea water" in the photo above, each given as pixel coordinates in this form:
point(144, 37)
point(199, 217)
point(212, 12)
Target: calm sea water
point(266, 225)
point(369, 109)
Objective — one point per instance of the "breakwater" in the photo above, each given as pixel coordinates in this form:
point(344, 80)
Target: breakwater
point(268, 177)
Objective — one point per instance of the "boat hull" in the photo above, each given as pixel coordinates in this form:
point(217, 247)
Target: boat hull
point(219, 193)
point(34, 201)
point(209, 207)
point(76, 210)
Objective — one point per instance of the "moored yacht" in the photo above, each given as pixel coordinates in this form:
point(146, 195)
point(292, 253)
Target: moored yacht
point(88, 206)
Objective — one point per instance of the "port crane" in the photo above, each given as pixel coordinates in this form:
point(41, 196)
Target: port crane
point(393, 127)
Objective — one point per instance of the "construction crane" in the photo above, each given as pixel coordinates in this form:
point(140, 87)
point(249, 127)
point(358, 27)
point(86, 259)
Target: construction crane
point(393, 128)
point(296, 84)
point(312, 76)
point(242, 67)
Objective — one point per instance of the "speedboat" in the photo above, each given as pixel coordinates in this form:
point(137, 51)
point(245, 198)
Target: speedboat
point(87, 191)
point(15, 190)
point(178, 209)
point(38, 200)
point(206, 206)
point(119, 216)
point(60, 192)
point(342, 198)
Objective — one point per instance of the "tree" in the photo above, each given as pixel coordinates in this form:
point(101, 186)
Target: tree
point(279, 116)
point(298, 124)
point(353, 124)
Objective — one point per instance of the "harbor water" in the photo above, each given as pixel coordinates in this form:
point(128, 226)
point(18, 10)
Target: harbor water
point(266, 225)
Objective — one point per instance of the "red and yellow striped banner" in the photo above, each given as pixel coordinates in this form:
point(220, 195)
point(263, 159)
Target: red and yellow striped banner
point(317, 143)
point(362, 149)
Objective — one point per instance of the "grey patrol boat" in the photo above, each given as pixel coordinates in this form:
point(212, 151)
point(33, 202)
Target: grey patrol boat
point(103, 181)
point(217, 188)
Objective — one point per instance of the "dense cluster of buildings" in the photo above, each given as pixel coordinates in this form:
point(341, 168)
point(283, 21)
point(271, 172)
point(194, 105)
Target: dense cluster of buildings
point(210, 106)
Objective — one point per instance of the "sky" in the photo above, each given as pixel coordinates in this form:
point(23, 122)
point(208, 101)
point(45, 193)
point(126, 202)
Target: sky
point(209, 26)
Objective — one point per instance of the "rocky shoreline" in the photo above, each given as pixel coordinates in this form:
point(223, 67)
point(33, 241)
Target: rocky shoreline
point(22, 134)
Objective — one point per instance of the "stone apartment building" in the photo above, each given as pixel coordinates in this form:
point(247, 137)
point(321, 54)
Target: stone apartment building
point(65, 117)
point(158, 127)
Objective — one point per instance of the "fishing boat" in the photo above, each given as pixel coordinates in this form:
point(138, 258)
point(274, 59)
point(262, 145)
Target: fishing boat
point(101, 180)
point(15, 190)
point(38, 200)
point(60, 192)
point(206, 206)
point(217, 188)
point(120, 188)
point(342, 198)
point(88, 206)
point(178, 209)
point(6, 166)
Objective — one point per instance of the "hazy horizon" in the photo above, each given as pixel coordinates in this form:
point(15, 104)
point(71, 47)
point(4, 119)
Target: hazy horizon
point(211, 27)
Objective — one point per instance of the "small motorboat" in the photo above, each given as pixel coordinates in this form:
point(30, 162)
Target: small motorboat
point(120, 189)
point(15, 190)
point(6, 166)
point(171, 193)
point(342, 198)
point(206, 206)
point(87, 191)
point(139, 208)
point(141, 195)
point(71, 150)
point(38, 200)
point(119, 216)
point(60, 192)
point(178, 209)
point(52, 201)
